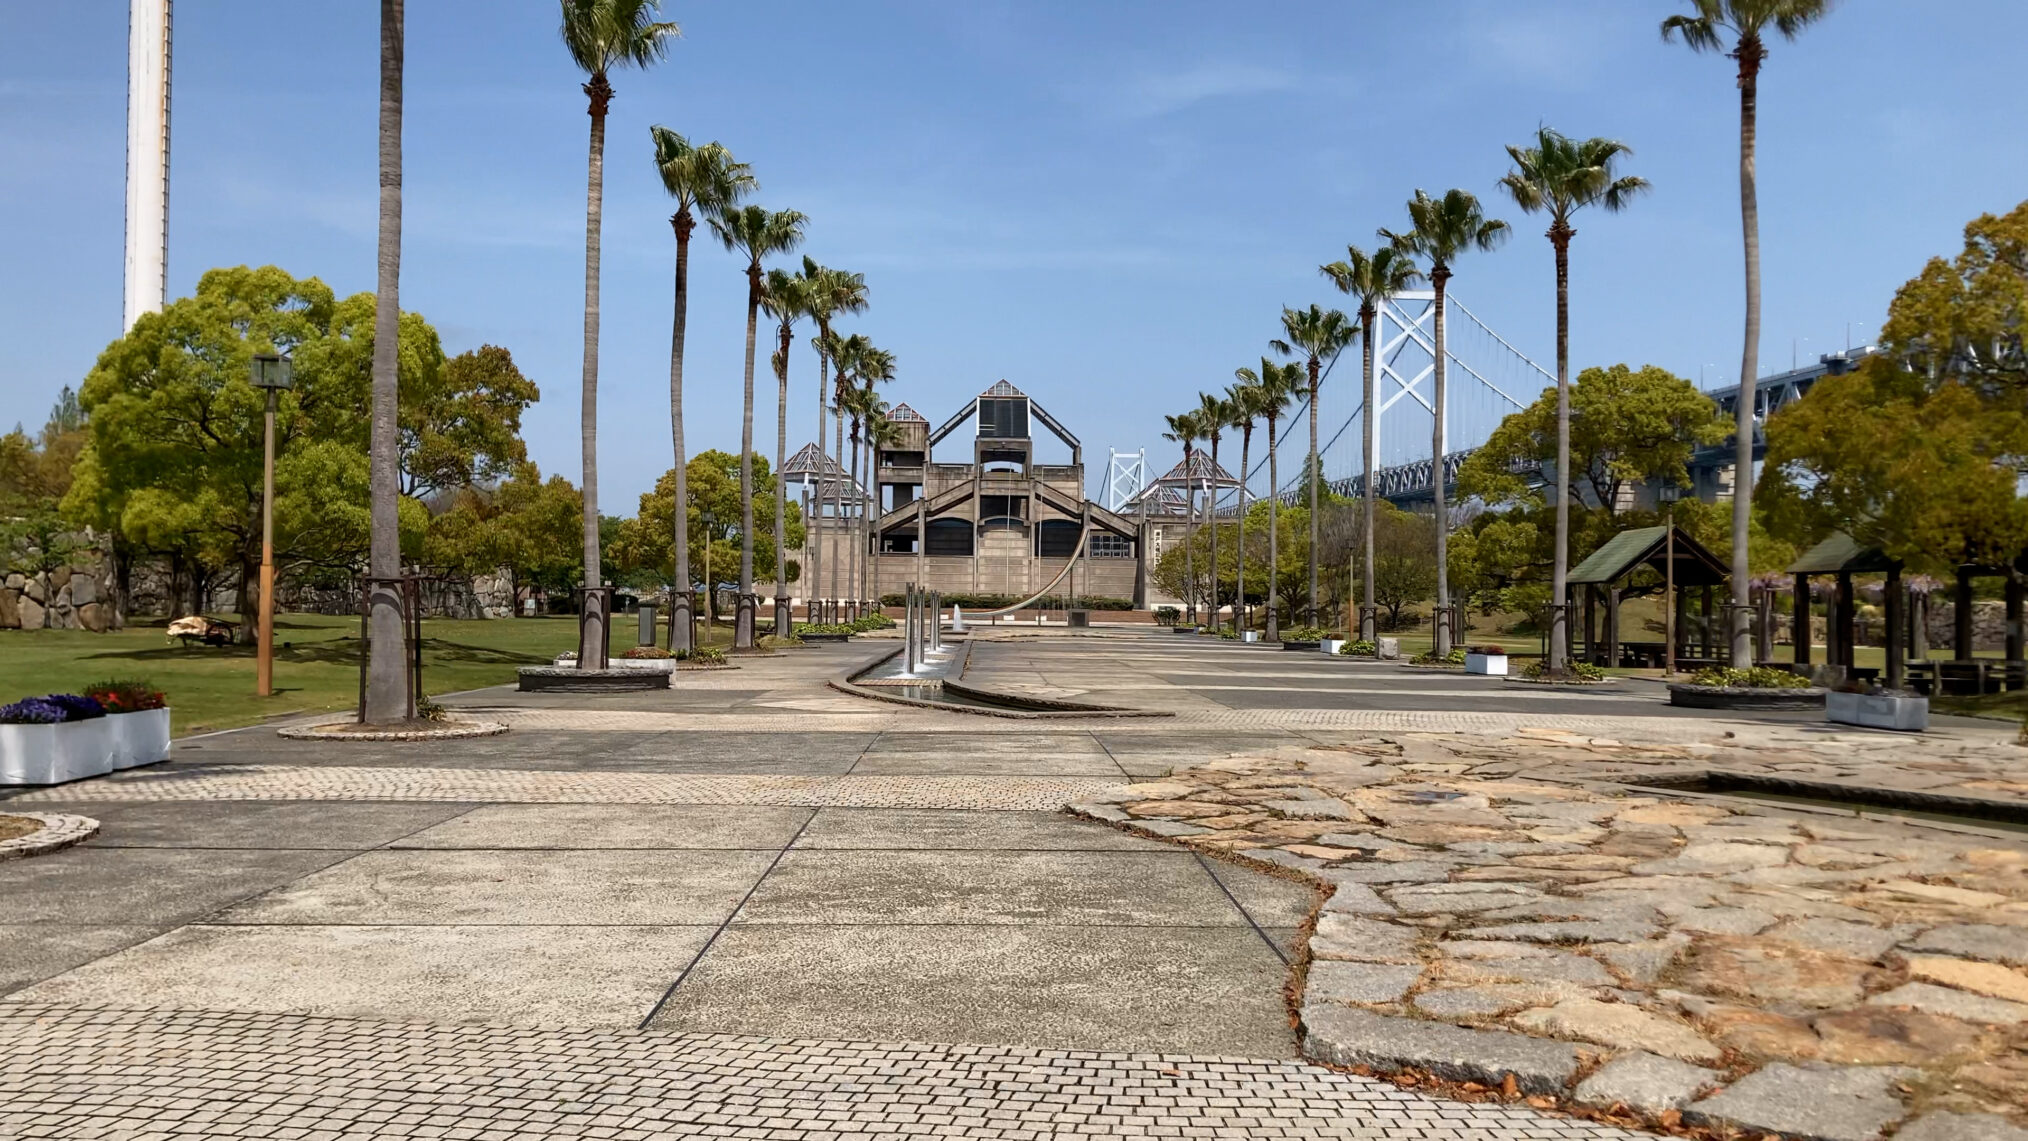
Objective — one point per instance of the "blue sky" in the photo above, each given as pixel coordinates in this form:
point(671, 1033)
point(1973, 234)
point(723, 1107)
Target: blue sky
point(1107, 204)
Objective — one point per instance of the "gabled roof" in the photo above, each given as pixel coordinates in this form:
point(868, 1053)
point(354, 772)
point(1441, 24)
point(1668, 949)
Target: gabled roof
point(1841, 554)
point(902, 413)
point(1002, 388)
point(1201, 473)
point(1649, 546)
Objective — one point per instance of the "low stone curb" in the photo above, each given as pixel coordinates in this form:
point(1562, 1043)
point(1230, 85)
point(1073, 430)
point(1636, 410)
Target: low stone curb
point(59, 830)
point(447, 731)
point(1733, 697)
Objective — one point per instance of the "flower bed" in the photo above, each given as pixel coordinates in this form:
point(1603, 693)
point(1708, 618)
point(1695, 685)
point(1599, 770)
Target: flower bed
point(1761, 687)
point(63, 737)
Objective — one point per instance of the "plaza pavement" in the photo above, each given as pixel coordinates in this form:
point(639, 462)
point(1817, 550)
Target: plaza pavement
point(736, 908)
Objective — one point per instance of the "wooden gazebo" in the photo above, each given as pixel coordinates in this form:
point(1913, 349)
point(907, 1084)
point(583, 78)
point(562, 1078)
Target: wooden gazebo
point(1841, 556)
point(1601, 577)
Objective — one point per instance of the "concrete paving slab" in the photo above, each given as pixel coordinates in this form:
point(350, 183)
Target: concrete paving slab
point(847, 828)
point(1269, 900)
point(605, 826)
point(31, 952)
point(257, 824)
point(1135, 989)
point(1057, 888)
point(498, 887)
point(157, 887)
point(535, 975)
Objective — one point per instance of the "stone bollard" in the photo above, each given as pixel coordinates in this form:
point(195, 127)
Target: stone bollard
point(1389, 649)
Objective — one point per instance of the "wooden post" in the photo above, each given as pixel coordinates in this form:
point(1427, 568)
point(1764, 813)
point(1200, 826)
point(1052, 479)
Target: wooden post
point(1704, 637)
point(2014, 632)
point(1962, 616)
point(1590, 637)
point(1848, 626)
point(1612, 625)
point(1897, 655)
point(1802, 620)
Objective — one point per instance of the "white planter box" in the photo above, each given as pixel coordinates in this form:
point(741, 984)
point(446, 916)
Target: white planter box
point(1878, 711)
point(1331, 645)
point(642, 665)
point(1492, 665)
point(1249, 635)
point(140, 738)
point(53, 754)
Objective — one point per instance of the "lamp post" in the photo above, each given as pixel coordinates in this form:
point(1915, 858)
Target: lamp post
point(1668, 493)
point(710, 588)
point(272, 374)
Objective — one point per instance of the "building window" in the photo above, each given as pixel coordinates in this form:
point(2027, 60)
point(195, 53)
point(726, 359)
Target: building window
point(1056, 539)
point(949, 537)
point(1106, 545)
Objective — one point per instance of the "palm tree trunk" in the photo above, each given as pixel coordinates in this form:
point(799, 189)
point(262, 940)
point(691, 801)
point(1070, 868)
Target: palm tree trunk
point(1189, 537)
point(1274, 620)
point(1749, 362)
point(814, 526)
point(859, 510)
point(1239, 614)
point(783, 620)
point(1439, 276)
point(386, 697)
point(1369, 432)
point(1211, 517)
point(838, 552)
point(680, 632)
point(1559, 623)
point(1316, 476)
point(742, 634)
point(591, 649)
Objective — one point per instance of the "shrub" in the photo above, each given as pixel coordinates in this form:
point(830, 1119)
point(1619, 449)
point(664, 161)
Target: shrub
point(1500, 651)
point(1227, 634)
point(825, 628)
point(1537, 668)
point(32, 711)
point(130, 696)
point(429, 710)
point(1167, 615)
point(1305, 634)
point(1455, 658)
point(1362, 648)
point(703, 655)
point(866, 622)
point(646, 653)
point(1759, 677)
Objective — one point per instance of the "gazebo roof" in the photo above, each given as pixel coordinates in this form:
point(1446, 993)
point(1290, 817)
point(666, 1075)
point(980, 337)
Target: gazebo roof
point(1200, 473)
point(806, 463)
point(1841, 554)
point(1648, 546)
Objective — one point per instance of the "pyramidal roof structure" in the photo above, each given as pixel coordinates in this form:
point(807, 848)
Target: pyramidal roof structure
point(806, 460)
point(1200, 473)
point(1002, 388)
point(902, 413)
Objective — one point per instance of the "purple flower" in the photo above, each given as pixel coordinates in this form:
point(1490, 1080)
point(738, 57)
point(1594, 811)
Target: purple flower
point(31, 711)
point(76, 707)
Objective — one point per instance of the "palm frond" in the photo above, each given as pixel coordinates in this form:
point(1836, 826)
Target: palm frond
point(707, 176)
point(602, 35)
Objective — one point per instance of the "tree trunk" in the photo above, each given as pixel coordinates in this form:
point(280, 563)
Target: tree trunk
point(837, 495)
point(1211, 516)
point(742, 634)
point(1369, 430)
point(679, 628)
point(783, 622)
point(387, 687)
point(1189, 537)
point(1274, 618)
point(1749, 362)
point(1559, 624)
point(1316, 461)
point(814, 526)
point(859, 506)
point(1239, 615)
point(1439, 275)
point(592, 640)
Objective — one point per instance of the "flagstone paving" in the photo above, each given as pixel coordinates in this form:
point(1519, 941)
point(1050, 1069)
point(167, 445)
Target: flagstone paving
point(731, 908)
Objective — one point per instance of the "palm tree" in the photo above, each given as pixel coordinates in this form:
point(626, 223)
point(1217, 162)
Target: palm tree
point(1277, 385)
point(859, 405)
point(876, 366)
point(1318, 336)
point(1561, 176)
point(1748, 21)
point(881, 432)
point(601, 35)
point(846, 354)
point(1244, 399)
point(703, 178)
point(1186, 429)
point(832, 291)
point(1372, 278)
point(385, 697)
point(1443, 228)
point(756, 232)
point(1215, 415)
point(787, 300)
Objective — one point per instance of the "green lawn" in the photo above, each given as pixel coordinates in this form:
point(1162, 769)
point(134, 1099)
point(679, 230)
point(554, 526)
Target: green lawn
point(316, 663)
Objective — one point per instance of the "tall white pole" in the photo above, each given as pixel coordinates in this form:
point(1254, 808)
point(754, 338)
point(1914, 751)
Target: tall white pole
point(147, 158)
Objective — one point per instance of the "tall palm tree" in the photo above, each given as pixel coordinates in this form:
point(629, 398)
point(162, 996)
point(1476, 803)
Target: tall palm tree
point(859, 405)
point(787, 300)
point(1277, 385)
point(385, 698)
point(1317, 335)
point(876, 366)
point(881, 432)
point(1443, 228)
point(846, 355)
point(1185, 429)
point(1560, 176)
point(601, 35)
point(1245, 401)
point(756, 232)
point(1215, 415)
point(1748, 22)
point(832, 292)
point(1372, 278)
point(703, 178)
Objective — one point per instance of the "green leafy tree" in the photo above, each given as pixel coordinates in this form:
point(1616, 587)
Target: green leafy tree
point(713, 484)
point(35, 474)
point(755, 232)
point(1559, 176)
point(601, 36)
point(525, 525)
point(1707, 28)
point(700, 178)
point(461, 423)
point(1373, 279)
point(1443, 228)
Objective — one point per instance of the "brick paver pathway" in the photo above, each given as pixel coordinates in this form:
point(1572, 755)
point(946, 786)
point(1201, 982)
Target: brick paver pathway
point(145, 1076)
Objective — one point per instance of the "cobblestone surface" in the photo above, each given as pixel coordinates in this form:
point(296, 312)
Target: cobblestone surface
point(80, 1073)
point(333, 782)
point(59, 830)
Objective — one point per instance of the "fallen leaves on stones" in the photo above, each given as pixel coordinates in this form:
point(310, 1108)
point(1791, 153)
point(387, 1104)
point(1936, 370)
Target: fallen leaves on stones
point(1352, 938)
point(1646, 1082)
